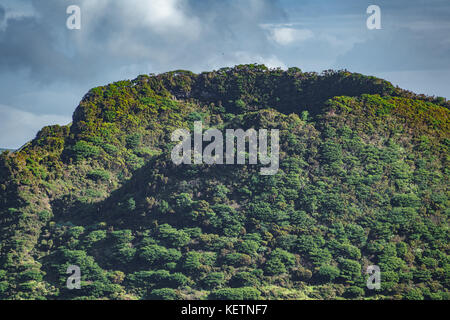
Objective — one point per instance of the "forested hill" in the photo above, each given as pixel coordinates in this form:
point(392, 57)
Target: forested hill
point(363, 180)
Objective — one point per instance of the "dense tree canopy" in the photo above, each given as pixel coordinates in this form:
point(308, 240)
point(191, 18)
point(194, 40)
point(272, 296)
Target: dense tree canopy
point(363, 180)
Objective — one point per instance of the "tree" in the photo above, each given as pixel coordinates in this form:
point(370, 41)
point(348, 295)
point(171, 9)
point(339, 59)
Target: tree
point(274, 266)
point(413, 294)
point(350, 269)
point(226, 294)
point(192, 262)
point(173, 237)
point(157, 255)
point(163, 294)
point(245, 293)
point(328, 273)
point(82, 150)
point(213, 280)
point(354, 292)
point(244, 279)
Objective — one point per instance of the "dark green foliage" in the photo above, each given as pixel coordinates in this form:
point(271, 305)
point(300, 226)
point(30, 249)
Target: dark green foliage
point(163, 294)
point(133, 140)
point(350, 269)
point(82, 150)
point(99, 175)
point(328, 273)
point(214, 280)
point(246, 293)
point(274, 266)
point(363, 180)
point(158, 255)
point(354, 292)
point(244, 279)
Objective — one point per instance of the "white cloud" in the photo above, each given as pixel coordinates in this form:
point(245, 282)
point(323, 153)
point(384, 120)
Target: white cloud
point(271, 61)
point(287, 35)
point(136, 30)
point(157, 16)
point(17, 127)
point(13, 9)
point(242, 57)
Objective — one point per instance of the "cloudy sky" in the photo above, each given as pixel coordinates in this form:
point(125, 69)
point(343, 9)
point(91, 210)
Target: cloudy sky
point(45, 68)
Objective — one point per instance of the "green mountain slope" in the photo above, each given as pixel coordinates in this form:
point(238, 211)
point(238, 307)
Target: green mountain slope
point(363, 180)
